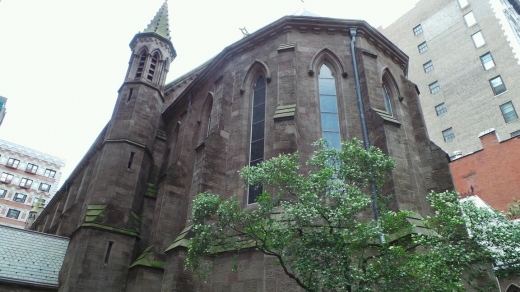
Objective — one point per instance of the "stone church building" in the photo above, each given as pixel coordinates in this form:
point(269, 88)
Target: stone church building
point(126, 206)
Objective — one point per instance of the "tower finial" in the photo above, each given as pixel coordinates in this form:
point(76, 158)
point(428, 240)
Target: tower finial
point(159, 24)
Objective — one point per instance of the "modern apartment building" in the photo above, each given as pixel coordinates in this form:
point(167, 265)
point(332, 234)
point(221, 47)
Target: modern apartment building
point(464, 60)
point(26, 176)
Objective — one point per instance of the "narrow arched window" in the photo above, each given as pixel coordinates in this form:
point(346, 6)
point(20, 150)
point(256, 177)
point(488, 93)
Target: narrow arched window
point(257, 133)
point(140, 67)
point(329, 107)
point(205, 118)
point(390, 91)
point(153, 65)
point(173, 154)
point(386, 96)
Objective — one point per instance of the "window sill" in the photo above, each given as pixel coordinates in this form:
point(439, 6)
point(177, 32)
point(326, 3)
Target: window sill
point(496, 95)
point(387, 117)
point(513, 121)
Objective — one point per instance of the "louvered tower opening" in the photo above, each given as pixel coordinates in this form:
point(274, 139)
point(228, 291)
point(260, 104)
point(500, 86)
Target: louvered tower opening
point(140, 67)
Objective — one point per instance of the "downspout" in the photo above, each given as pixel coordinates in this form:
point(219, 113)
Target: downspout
point(366, 142)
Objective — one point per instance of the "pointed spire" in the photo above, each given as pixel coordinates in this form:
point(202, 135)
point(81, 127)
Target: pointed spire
point(159, 24)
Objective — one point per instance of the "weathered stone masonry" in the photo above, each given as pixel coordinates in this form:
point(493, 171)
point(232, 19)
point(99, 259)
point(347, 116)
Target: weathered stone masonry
point(128, 202)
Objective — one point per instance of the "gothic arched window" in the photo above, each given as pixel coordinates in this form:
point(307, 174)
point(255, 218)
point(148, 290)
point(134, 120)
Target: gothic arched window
point(205, 118)
point(173, 147)
point(329, 107)
point(153, 65)
point(257, 133)
point(390, 91)
point(386, 96)
point(140, 67)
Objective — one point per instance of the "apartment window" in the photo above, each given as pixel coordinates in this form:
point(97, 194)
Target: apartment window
point(36, 200)
point(49, 173)
point(470, 19)
point(3, 193)
point(329, 108)
point(19, 197)
point(256, 154)
point(417, 30)
point(32, 168)
point(44, 187)
point(478, 39)
point(497, 85)
point(423, 47)
point(428, 66)
point(13, 163)
point(6, 177)
point(487, 61)
point(25, 183)
point(441, 109)
point(448, 135)
point(13, 214)
point(515, 133)
point(462, 3)
point(508, 111)
point(434, 87)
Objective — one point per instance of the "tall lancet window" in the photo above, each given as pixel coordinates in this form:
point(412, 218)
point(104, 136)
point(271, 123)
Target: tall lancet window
point(205, 119)
point(153, 65)
point(257, 133)
point(388, 105)
point(140, 67)
point(329, 108)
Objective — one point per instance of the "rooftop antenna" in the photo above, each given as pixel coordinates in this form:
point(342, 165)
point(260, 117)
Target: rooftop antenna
point(244, 31)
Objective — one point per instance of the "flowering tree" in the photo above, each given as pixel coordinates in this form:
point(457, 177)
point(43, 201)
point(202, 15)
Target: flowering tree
point(317, 226)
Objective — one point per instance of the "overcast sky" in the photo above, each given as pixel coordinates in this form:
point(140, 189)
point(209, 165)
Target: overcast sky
point(62, 61)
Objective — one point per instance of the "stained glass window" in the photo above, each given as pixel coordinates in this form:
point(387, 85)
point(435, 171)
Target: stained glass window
point(329, 108)
point(257, 134)
point(388, 105)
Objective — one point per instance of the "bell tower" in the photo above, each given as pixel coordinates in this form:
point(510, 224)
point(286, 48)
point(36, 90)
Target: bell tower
point(152, 52)
point(104, 245)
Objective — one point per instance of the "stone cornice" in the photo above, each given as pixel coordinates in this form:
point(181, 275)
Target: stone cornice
point(150, 36)
point(130, 142)
point(161, 95)
point(302, 24)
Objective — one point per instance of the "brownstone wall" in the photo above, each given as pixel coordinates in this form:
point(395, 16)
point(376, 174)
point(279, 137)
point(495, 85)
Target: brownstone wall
point(174, 160)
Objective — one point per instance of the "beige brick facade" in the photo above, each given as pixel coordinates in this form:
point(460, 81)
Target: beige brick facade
point(464, 85)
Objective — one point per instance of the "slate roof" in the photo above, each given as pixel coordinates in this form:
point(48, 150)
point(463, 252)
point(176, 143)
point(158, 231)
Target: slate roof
point(30, 257)
point(159, 24)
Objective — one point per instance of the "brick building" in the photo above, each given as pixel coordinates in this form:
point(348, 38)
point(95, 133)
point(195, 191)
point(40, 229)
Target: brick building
point(491, 173)
point(464, 59)
point(126, 206)
point(26, 176)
